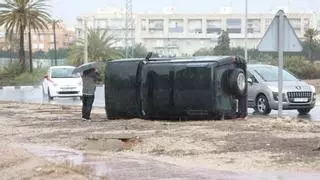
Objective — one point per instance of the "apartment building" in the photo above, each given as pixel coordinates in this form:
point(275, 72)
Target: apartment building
point(176, 34)
point(44, 40)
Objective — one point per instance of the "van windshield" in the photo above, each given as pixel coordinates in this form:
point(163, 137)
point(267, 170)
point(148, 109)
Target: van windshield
point(63, 73)
point(271, 74)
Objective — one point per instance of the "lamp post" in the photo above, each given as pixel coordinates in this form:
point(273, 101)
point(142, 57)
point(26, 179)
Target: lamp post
point(54, 23)
point(246, 32)
point(85, 41)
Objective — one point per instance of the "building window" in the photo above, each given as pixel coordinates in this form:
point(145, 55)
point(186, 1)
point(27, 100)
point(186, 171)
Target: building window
point(267, 22)
point(234, 26)
point(159, 43)
point(35, 37)
point(35, 46)
point(176, 25)
point(306, 24)
point(116, 23)
point(156, 25)
point(89, 24)
point(41, 37)
point(52, 38)
point(143, 25)
point(101, 24)
point(41, 46)
point(296, 25)
point(51, 46)
point(254, 26)
point(213, 26)
point(195, 26)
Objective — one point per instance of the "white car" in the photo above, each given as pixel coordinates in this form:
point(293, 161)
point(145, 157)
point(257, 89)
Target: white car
point(60, 82)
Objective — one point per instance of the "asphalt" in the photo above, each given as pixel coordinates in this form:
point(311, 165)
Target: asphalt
point(33, 94)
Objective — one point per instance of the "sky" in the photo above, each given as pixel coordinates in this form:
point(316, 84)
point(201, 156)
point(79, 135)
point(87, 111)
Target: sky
point(68, 10)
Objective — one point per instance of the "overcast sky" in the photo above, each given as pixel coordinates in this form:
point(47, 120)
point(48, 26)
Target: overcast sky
point(68, 10)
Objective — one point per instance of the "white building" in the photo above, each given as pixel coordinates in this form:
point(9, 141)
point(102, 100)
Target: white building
point(172, 33)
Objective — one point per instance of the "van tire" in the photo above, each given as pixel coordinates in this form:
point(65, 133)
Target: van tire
point(233, 84)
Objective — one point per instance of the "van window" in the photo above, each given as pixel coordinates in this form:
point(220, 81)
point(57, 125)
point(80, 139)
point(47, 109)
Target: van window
point(193, 78)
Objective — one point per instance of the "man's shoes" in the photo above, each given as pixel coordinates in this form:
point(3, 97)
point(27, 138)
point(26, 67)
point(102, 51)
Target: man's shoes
point(84, 119)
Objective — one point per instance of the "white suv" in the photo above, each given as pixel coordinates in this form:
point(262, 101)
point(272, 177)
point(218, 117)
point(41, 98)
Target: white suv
point(60, 82)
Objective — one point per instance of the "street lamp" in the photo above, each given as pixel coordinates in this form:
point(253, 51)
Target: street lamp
point(246, 32)
point(85, 19)
point(54, 23)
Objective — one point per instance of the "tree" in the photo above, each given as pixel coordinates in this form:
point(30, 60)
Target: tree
point(310, 35)
point(18, 15)
point(100, 47)
point(223, 47)
point(139, 51)
point(204, 52)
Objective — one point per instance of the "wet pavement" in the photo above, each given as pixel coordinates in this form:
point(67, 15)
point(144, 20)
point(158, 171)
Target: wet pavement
point(33, 94)
point(134, 167)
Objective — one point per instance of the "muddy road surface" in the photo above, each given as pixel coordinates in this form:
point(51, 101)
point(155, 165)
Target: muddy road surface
point(41, 141)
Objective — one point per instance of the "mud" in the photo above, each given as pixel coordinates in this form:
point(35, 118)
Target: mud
point(51, 142)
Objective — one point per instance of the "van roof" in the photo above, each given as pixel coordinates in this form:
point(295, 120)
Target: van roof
point(192, 59)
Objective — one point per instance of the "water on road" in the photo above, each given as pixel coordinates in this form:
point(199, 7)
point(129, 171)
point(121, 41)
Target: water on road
point(33, 94)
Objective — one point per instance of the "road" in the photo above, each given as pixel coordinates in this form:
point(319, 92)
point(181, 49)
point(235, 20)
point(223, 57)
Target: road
point(33, 94)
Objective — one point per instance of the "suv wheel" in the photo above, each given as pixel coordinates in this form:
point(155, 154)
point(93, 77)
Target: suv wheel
point(304, 111)
point(262, 105)
point(237, 82)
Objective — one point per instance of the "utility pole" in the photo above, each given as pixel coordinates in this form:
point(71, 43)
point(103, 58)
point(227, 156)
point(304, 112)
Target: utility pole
point(129, 29)
point(54, 23)
point(246, 32)
point(85, 40)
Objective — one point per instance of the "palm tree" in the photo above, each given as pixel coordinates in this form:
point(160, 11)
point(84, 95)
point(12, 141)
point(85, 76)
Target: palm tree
point(18, 15)
point(100, 47)
point(310, 35)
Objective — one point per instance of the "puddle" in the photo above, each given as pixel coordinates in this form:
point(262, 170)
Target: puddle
point(139, 167)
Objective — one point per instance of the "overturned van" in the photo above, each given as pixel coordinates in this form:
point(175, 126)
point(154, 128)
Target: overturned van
point(200, 87)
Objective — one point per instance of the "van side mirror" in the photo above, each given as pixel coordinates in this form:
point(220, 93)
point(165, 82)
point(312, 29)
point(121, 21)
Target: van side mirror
point(250, 81)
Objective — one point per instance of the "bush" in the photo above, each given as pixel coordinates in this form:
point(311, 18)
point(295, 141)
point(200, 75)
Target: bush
point(28, 78)
point(302, 68)
point(13, 69)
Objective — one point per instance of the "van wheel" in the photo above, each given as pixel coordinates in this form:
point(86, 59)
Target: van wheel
point(304, 111)
point(237, 82)
point(262, 105)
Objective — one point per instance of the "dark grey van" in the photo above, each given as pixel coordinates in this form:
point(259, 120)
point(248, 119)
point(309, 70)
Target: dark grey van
point(200, 87)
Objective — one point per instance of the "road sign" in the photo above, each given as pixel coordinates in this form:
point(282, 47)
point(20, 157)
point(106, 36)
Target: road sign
point(269, 42)
point(280, 37)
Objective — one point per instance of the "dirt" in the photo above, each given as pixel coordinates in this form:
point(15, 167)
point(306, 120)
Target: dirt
point(255, 144)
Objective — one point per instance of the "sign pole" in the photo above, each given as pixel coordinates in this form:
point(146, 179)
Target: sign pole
point(280, 69)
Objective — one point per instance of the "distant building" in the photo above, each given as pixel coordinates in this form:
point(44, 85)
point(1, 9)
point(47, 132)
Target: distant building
point(43, 40)
point(172, 33)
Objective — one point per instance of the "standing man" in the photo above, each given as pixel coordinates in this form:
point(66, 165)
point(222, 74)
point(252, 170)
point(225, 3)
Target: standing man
point(89, 79)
